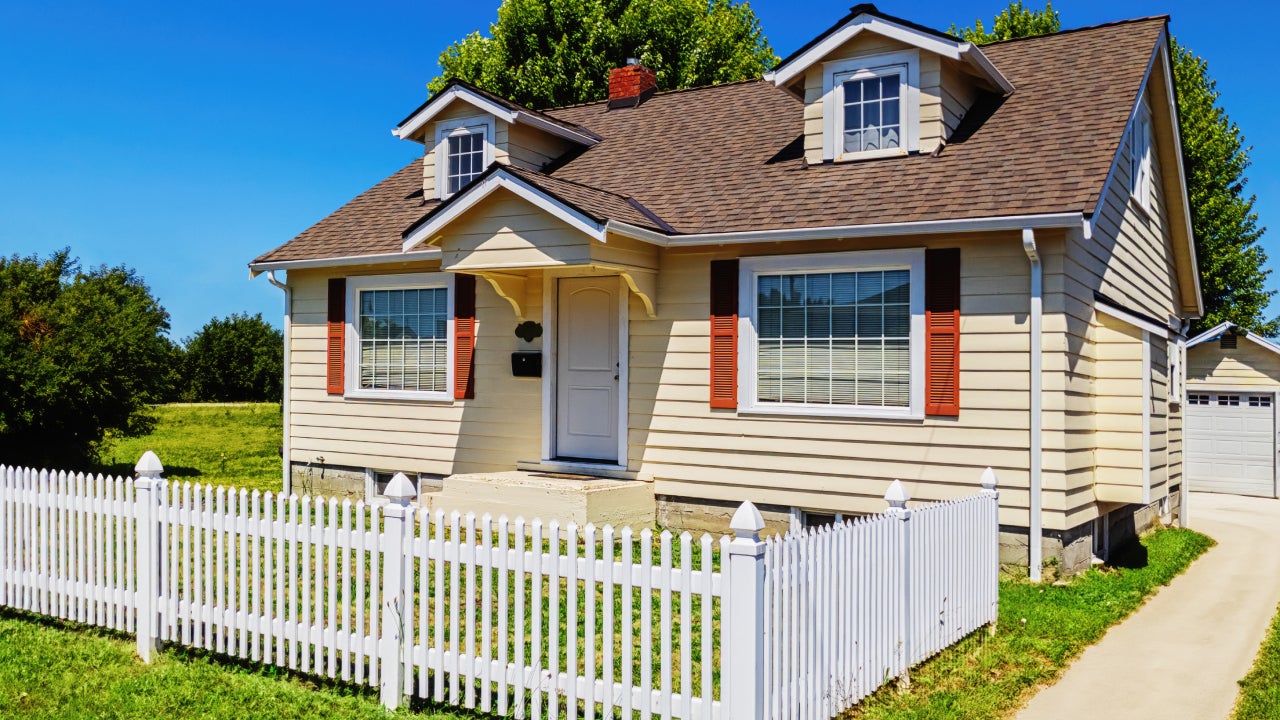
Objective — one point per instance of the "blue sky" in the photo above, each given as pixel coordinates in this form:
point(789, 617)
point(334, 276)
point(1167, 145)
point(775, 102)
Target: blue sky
point(184, 139)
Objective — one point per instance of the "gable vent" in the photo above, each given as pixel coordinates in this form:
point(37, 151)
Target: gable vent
point(1227, 341)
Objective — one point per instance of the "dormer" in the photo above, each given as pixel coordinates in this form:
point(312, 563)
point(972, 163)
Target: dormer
point(874, 86)
point(464, 130)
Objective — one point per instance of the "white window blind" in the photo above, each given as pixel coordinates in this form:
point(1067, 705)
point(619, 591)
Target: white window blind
point(403, 341)
point(872, 112)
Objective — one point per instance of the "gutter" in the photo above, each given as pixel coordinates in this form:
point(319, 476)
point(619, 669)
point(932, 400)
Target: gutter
point(287, 486)
point(1035, 560)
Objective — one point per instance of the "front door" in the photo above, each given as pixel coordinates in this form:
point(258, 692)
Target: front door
point(587, 369)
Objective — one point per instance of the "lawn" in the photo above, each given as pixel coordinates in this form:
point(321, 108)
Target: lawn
point(1260, 689)
point(1040, 630)
point(218, 444)
point(51, 670)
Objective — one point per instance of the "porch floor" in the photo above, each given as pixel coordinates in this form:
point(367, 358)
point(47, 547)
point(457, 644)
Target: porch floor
point(580, 499)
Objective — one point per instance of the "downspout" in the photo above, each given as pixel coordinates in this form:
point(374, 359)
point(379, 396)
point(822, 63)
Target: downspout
point(1037, 383)
point(287, 482)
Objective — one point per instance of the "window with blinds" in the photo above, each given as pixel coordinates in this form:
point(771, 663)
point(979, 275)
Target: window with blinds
point(834, 338)
point(403, 342)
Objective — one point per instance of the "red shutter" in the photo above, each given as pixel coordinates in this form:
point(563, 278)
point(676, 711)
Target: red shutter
point(942, 332)
point(334, 379)
point(464, 336)
point(724, 334)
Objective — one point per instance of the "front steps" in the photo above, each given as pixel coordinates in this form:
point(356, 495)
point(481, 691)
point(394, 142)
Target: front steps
point(568, 498)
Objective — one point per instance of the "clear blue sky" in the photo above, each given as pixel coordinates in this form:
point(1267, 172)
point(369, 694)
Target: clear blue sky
point(184, 139)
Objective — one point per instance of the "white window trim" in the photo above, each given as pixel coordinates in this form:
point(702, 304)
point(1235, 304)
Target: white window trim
point(460, 126)
point(749, 269)
point(1140, 130)
point(406, 281)
point(833, 102)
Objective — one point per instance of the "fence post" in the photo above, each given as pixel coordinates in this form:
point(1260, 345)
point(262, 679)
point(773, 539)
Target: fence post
point(897, 498)
point(990, 493)
point(399, 493)
point(746, 616)
point(149, 488)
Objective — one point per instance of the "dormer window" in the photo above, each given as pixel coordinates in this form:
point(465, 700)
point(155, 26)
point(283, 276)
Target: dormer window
point(871, 103)
point(871, 106)
point(464, 150)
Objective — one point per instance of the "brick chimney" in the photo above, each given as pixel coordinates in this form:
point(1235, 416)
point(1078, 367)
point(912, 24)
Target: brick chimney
point(631, 85)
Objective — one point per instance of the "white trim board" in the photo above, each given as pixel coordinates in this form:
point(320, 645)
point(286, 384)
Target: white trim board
point(415, 122)
point(1128, 317)
point(957, 50)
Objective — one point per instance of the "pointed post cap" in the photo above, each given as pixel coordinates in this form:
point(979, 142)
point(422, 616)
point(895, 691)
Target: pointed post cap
point(897, 496)
point(400, 490)
point(148, 466)
point(747, 522)
point(988, 480)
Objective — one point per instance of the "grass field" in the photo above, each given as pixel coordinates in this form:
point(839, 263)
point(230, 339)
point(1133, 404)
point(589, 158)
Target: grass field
point(1041, 629)
point(231, 444)
point(1260, 689)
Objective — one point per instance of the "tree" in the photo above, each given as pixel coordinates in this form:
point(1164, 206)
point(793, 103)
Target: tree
point(236, 359)
point(1232, 265)
point(1015, 21)
point(546, 53)
point(81, 355)
point(1233, 269)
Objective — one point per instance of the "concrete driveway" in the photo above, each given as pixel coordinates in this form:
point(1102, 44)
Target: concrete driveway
point(1180, 655)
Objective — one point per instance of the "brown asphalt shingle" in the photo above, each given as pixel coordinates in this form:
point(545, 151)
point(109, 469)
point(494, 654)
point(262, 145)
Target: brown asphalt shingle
point(725, 158)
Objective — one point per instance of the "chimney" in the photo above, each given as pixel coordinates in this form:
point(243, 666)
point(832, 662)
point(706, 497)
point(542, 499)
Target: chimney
point(631, 85)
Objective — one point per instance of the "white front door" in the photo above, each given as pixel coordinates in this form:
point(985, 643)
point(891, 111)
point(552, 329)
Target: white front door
point(587, 369)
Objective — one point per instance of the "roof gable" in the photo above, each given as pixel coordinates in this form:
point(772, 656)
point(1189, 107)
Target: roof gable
point(1220, 329)
point(456, 91)
point(866, 18)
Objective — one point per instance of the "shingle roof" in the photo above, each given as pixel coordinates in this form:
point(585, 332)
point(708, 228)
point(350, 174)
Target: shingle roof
point(729, 157)
point(498, 100)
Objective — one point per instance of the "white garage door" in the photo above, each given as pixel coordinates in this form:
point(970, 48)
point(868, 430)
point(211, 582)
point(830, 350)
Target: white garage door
point(1230, 441)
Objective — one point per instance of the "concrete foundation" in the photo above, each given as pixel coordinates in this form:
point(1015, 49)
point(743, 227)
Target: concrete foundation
point(696, 515)
point(550, 496)
point(334, 481)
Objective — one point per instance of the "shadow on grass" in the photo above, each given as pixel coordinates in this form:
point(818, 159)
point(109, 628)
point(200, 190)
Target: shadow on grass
point(190, 655)
point(171, 472)
point(1133, 556)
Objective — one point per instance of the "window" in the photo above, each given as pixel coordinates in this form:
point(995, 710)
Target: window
point(464, 150)
point(400, 339)
point(376, 481)
point(1177, 375)
point(1140, 157)
point(870, 106)
point(1197, 399)
point(1259, 401)
point(837, 333)
point(1229, 400)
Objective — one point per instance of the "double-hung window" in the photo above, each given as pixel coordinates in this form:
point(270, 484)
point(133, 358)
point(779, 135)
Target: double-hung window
point(871, 106)
point(833, 334)
point(1140, 164)
point(400, 336)
point(464, 150)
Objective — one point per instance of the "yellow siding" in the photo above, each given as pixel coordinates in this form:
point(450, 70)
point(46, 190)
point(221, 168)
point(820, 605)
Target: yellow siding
point(533, 149)
point(1248, 365)
point(500, 427)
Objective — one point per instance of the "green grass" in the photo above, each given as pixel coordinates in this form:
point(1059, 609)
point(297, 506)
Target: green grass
point(1041, 629)
point(1260, 689)
point(213, 444)
point(51, 670)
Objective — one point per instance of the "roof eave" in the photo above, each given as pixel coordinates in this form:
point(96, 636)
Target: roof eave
point(411, 126)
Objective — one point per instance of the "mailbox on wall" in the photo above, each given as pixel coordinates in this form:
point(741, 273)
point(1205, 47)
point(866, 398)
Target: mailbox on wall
point(526, 364)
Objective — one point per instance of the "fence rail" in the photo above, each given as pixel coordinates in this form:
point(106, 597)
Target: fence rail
point(514, 617)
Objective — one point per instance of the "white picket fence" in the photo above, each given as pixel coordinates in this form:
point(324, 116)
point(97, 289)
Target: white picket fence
point(517, 618)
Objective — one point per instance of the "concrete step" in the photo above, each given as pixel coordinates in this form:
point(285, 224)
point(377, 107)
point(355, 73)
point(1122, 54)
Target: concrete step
point(579, 499)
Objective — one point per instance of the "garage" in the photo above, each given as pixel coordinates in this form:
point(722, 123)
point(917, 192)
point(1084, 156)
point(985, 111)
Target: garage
point(1229, 414)
point(1230, 442)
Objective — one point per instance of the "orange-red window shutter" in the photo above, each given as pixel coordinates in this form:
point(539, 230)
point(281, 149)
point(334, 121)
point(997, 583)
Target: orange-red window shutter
point(334, 376)
point(464, 336)
point(724, 333)
point(942, 332)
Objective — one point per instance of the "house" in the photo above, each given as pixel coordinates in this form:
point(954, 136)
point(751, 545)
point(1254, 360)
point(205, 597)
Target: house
point(1233, 377)
point(897, 255)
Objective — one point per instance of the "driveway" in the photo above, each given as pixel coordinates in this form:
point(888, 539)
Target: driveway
point(1180, 655)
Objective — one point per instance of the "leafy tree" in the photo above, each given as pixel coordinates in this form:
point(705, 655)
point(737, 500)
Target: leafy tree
point(236, 359)
point(545, 53)
point(1233, 268)
point(1015, 21)
point(81, 355)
